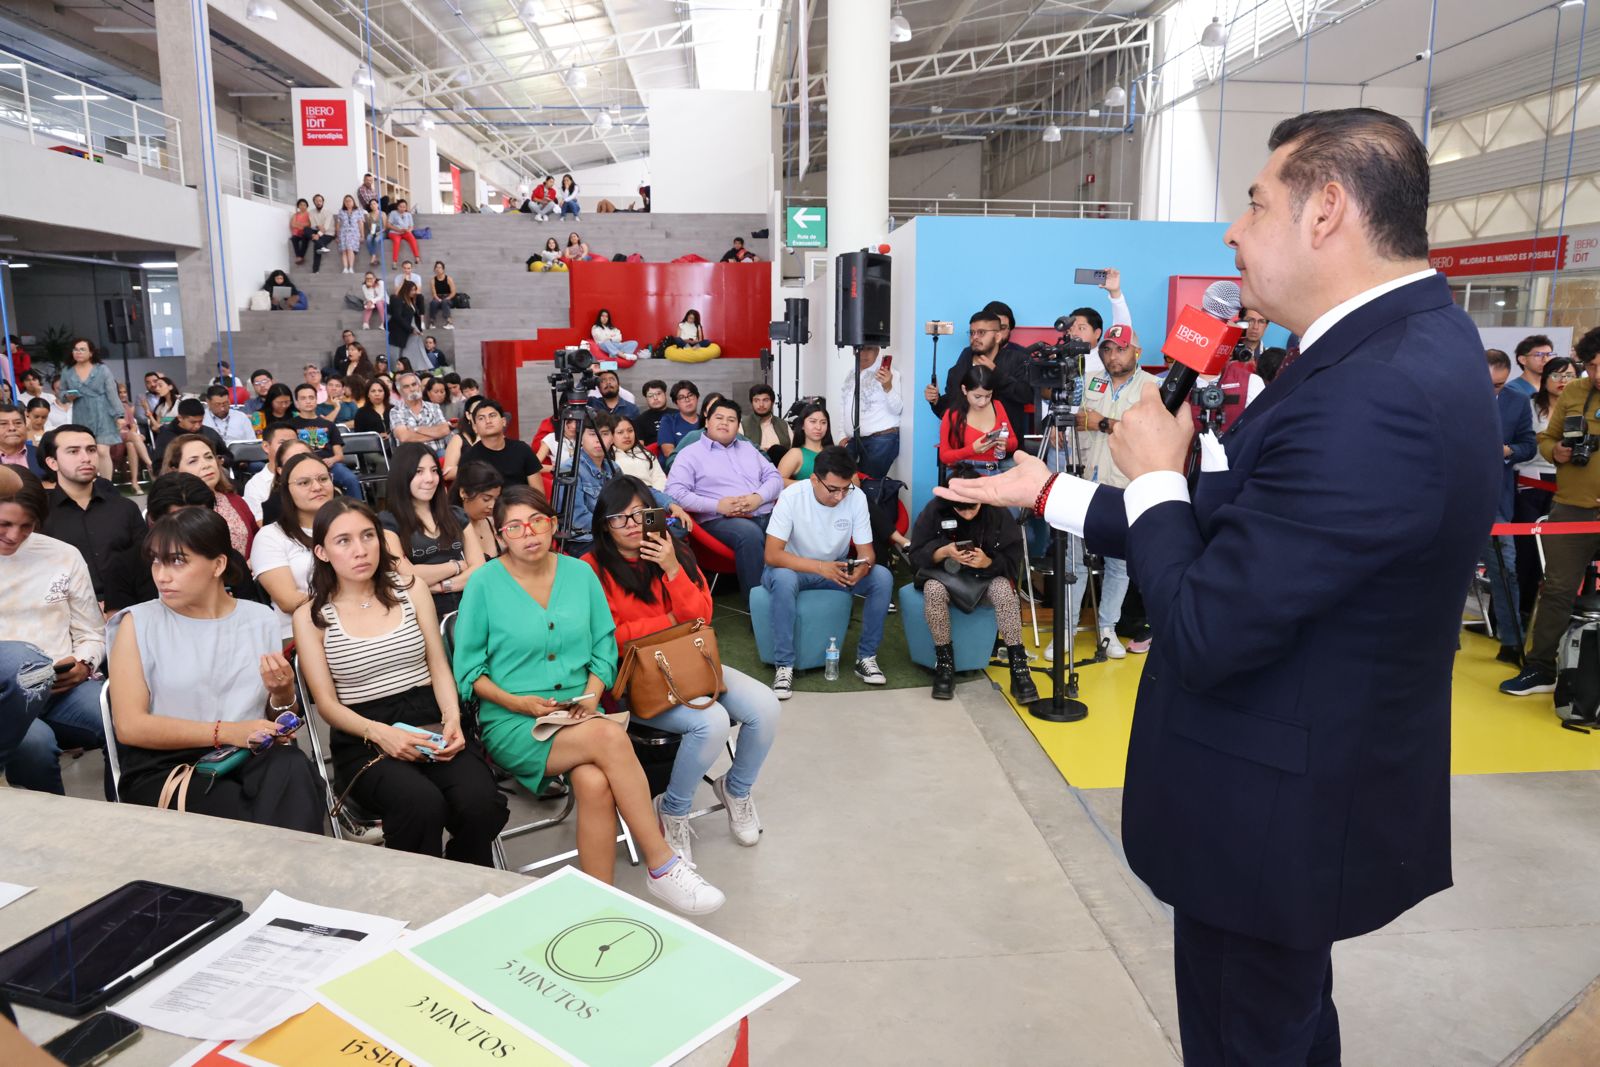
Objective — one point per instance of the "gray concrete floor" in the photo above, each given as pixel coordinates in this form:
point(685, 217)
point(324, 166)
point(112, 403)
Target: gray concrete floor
point(946, 898)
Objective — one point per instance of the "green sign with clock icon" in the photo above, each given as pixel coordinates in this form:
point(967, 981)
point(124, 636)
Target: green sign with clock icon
point(607, 949)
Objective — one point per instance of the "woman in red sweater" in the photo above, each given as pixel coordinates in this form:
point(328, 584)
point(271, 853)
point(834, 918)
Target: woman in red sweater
point(976, 430)
point(651, 582)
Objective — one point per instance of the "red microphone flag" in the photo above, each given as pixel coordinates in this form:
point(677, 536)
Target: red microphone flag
point(1201, 342)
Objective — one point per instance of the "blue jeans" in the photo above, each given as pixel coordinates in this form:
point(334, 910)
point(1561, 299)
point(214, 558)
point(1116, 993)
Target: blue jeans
point(785, 587)
point(876, 454)
point(619, 348)
point(747, 702)
point(570, 208)
point(35, 725)
point(1503, 589)
point(747, 538)
point(345, 480)
point(1113, 585)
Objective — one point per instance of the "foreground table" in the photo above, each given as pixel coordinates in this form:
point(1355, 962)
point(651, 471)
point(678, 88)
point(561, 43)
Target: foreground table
point(74, 851)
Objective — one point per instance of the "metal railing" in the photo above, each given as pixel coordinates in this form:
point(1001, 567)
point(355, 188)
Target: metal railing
point(253, 173)
point(903, 208)
point(45, 107)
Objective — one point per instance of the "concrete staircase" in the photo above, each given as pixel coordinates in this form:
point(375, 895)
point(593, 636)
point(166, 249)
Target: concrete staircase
point(486, 255)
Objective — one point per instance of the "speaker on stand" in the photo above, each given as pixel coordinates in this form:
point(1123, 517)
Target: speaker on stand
point(861, 299)
point(793, 329)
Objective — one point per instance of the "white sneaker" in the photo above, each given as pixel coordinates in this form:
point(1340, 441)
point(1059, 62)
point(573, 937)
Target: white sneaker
point(676, 829)
point(742, 818)
point(683, 888)
point(449, 325)
point(1112, 643)
point(783, 682)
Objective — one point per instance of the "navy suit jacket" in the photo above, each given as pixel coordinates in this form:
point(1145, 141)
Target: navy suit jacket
point(1516, 430)
point(1289, 770)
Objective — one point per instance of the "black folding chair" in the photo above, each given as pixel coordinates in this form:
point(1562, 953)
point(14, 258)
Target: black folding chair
point(367, 454)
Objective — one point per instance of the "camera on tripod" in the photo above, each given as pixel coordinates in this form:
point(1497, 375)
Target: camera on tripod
point(1576, 436)
point(573, 377)
point(1209, 398)
point(1056, 365)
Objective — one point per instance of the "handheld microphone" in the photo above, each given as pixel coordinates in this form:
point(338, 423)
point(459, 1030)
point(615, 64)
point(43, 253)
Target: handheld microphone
point(1201, 342)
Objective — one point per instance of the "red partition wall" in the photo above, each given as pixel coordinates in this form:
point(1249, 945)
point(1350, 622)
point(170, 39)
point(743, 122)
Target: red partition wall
point(646, 301)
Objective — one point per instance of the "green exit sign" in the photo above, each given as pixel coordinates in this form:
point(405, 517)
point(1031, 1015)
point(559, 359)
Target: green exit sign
point(806, 227)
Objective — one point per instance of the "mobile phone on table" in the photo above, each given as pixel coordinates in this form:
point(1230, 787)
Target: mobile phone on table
point(654, 520)
point(95, 1040)
point(1088, 276)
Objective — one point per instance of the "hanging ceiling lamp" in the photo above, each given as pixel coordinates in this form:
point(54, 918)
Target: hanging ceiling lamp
point(1052, 134)
point(362, 79)
point(529, 10)
point(1214, 35)
point(1116, 97)
point(602, 123)
point(574, 77)
point(260, 11)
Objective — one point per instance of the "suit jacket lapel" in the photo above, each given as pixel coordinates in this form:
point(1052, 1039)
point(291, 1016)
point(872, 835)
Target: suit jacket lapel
point(1345, 336)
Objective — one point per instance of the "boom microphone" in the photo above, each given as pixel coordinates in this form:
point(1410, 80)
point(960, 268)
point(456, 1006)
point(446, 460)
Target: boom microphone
point(1201, 342)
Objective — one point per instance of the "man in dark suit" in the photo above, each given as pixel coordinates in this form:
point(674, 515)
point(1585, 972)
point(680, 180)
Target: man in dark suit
point(1518, 445)
point(1288, 780)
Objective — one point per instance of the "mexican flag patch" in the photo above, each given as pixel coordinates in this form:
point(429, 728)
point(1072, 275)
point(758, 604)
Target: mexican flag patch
point(1098, 384)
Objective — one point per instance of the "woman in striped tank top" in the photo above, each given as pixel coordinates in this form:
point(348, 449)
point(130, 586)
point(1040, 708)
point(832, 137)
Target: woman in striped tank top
point(372, 655)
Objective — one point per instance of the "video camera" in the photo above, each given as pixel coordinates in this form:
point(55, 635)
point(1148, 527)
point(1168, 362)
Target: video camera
point(573, 377)
point(1056, 365)
point(801, 404)
point(1210, 398)
point(1576, 436)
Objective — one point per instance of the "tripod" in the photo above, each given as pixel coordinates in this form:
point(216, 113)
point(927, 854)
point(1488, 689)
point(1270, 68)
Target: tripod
point(570, 400)
point(1060, 426)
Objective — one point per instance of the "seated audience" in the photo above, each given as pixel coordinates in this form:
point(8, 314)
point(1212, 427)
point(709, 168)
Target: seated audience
point(372, 416)
point(816, 433)
point(632, 458)
point(673, 425)
point(608, 337)
point(567, 194)
point(973, 544)
point(281, 291)
point(373, 301)
point(281, 557)
point(262, 483)
point(424, 532)
point(444, 291)
point(543, 202)
point(300, 230)
point(432, 354)
point(820, 537)
point(691, 334)
point(651, 582)
point(324, 230)
point(197, 639)
point(223, 419)
point(976, 430)
point(512, 459)
point(987, 348)
point(595, 469)
point(611, 401)
point(437, 393)
point(190, 420)
point(469, 388)
point(351, 359)
point(475, 492)
point(15, 448)
point(535, 632)
point(277, 406)
point(559, 453)
point(548, 258)
point(413, 419)
point(35, 413)
point(325, 439)
point(88, 513)
point(313, 377)
point(655, 406)
point(260, 382)
point(165, 406)
point(762, 427)
point(575, 249)
point(728, 485)
point(372, 655)
point(401, 229)
point(738, 253)
point(133, 441)
point(341, 407)
point(373, 228)
point(194, 455)
point(47, 601)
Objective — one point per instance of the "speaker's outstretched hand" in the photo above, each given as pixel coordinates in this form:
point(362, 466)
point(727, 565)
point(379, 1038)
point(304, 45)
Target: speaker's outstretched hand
point(1016, 488)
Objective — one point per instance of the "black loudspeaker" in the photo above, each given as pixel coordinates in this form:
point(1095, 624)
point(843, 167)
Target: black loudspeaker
point(117, 321)
point(861, 299)
point(797, 315)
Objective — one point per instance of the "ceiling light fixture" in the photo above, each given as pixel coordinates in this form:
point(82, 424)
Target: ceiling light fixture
point(18, 266)
point(1011, 110)
point(529, 10)
point(575, 77)
point(1052, 134)
point(1571, 3)
point(362, 78)
point(615, 110)
point(260, 11)
point(1116, 97)
point(964, 136)
point(159, 264)
point(899, 30)
point(74, 97)
point(1214, 35)
point(602, 123)
point(936, 110)
point(428, 123)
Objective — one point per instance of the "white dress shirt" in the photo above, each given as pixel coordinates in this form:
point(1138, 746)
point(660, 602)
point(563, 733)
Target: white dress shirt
point(1067, 507)
point(880, 410)
point(234, 426)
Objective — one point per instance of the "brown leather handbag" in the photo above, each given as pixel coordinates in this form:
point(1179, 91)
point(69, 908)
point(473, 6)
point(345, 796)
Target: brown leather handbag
point(678, 665)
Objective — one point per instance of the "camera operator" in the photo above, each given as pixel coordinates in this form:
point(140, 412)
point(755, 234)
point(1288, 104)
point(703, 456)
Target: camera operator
point(983, 349)
point(1249, 348)
point(1568, 445)
point(1240, 386)
point(1086, 325)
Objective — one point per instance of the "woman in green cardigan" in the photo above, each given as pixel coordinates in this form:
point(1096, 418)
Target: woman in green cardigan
point(533, 632)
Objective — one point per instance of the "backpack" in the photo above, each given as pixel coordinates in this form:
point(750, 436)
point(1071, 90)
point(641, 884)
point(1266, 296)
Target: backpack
point(461, 300)
point(1577, 695)
point(260, 300)
point(353, 302)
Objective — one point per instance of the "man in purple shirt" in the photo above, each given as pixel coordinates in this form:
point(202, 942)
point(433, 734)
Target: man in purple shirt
point(728, 486)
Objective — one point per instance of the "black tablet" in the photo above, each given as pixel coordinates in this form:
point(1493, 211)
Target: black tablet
point(106, 948)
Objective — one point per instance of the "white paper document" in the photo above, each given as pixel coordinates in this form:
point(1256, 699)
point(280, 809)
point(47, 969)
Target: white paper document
point(10, 892)
point(252, 978)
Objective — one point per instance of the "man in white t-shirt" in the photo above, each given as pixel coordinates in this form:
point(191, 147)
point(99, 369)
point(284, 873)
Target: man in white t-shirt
point(259, 488)
point(810, 534)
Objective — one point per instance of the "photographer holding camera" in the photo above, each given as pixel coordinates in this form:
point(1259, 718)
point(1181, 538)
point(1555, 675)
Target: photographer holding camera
point(1568, 441)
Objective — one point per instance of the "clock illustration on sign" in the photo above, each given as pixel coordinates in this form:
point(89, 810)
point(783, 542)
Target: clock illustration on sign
point(603, 950)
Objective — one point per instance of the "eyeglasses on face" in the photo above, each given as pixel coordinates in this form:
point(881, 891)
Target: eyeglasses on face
point(307, 483)
point(1564, 376)
point(518, 528)
point(980, 333)
point(834, 490)
point(627, 518)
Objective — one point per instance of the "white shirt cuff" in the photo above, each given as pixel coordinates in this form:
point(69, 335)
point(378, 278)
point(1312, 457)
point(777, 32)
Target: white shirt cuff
point(1148, 490)
point(1067, 506)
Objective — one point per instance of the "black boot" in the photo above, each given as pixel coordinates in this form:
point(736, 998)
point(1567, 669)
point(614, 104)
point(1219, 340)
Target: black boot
point(944, 672)
point(1022, 687)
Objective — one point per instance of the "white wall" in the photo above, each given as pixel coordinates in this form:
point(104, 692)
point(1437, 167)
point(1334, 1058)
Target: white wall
point(62, 190)
point(1114, 161)
point(424, 161)
point(935, 173)
point(704, 151)
point(332, 170)
point(255, 237)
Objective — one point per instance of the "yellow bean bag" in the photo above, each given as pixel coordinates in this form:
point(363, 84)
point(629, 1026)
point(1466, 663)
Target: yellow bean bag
point(693, 355)
point(541, 267)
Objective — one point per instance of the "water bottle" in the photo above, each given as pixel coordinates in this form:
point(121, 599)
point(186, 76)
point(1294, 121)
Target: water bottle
point(1000, 449)
point(830, 660)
